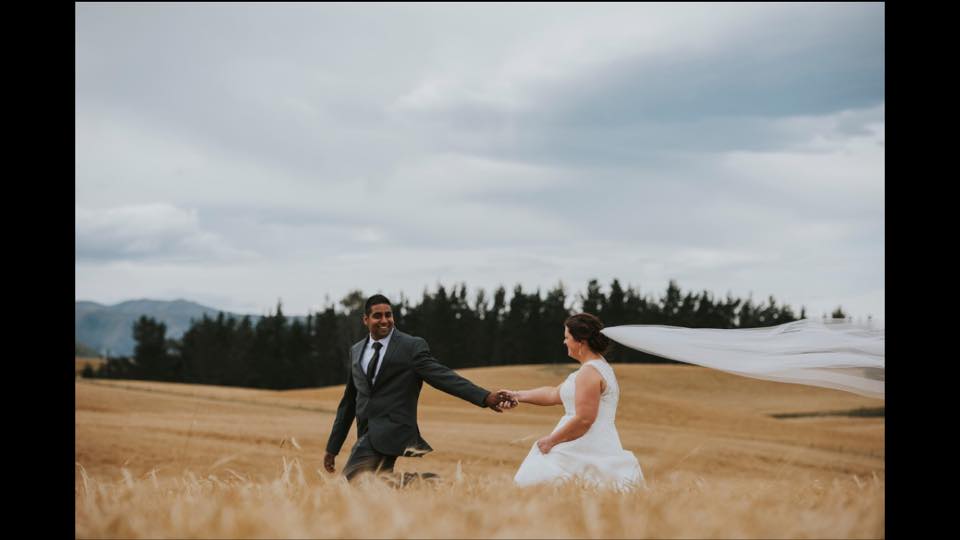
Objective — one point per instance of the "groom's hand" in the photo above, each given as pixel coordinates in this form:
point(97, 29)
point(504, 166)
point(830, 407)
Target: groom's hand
point(493, 401)
point(328, 462)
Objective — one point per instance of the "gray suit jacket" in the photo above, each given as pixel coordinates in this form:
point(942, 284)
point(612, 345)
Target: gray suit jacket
point(387, 412)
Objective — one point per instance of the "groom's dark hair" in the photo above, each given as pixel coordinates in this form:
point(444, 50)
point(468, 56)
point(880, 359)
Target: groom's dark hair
point(374, 300)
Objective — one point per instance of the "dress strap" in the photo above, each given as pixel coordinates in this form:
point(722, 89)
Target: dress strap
point(603, 368)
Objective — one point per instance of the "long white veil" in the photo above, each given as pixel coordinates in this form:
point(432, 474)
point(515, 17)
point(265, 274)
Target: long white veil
point(838, 355)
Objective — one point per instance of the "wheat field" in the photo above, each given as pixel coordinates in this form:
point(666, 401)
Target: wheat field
point(81, 362)
point(161, 460)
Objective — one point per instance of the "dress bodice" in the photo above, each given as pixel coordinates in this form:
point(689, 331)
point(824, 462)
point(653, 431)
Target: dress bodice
point(609, 398)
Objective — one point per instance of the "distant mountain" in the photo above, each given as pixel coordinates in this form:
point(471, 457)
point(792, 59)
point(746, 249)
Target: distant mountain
point(84, 351)
point(110, 328)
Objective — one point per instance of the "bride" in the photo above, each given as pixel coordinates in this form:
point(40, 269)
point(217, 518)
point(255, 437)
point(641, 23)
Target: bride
point(585, 444)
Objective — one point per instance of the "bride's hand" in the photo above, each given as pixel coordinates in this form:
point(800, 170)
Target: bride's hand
point(544, 444)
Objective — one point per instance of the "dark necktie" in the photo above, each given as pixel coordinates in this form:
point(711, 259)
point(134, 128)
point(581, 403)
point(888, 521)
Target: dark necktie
point(372, 367)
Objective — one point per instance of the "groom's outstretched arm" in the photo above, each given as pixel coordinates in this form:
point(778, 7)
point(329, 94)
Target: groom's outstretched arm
point(443, 378)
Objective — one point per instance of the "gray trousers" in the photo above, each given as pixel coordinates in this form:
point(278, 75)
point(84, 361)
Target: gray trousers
point(363, 458)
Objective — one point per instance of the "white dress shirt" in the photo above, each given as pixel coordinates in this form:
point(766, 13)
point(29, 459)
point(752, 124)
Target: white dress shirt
point(368, 354)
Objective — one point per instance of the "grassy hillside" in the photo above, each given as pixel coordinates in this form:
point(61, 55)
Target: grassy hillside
point(717, 462)
point(81, 362)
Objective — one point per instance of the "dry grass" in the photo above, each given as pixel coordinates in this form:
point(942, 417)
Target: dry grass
point(298, 504)
point(81, 362)
point(162, 460)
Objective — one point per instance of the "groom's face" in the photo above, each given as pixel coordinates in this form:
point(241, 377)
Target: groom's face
point(379, 321)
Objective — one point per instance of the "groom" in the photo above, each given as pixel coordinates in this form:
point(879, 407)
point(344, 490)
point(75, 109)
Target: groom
point(387, 370)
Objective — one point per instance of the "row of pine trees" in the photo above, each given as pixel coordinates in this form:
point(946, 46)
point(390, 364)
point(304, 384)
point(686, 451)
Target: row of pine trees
point(279, 352)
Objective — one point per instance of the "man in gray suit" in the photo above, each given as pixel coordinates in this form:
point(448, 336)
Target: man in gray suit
point(387, 370)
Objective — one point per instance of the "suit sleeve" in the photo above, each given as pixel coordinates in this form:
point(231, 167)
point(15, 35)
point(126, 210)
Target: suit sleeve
point(346, 412)
point(443, 378)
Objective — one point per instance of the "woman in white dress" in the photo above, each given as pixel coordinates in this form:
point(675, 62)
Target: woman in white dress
point(585, 444)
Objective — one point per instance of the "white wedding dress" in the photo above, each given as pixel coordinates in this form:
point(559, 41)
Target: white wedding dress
point(598, 457)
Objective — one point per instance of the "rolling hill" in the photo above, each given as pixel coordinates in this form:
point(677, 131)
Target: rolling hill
point(110, 328)
point(720, 459)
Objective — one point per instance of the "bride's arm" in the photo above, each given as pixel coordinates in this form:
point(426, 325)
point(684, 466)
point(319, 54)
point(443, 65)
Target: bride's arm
point(545, 395)
point(589, 386)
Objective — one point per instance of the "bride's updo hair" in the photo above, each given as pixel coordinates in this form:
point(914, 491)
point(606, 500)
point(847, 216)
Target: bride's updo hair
point(586, 327)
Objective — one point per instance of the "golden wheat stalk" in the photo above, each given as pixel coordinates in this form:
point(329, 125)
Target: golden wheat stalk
point(468, 505)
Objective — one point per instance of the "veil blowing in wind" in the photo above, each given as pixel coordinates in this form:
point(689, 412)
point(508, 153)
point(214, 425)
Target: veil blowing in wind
point(838, 355)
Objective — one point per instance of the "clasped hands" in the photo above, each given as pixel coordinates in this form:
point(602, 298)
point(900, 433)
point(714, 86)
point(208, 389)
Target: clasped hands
point(502, 399)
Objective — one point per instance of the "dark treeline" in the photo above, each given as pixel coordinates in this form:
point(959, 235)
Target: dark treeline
point(283, 353)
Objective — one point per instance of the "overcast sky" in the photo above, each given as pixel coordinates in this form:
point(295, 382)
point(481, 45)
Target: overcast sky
point(240, 154)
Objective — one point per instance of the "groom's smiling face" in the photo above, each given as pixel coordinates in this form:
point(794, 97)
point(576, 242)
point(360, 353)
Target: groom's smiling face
point(379, 321)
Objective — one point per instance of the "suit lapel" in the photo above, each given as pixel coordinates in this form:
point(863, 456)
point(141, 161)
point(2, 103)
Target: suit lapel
point(359, 377)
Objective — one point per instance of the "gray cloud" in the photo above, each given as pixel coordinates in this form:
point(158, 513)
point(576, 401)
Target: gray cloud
point(151, 231)
point(330, 147)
